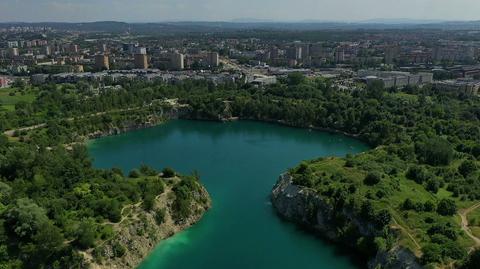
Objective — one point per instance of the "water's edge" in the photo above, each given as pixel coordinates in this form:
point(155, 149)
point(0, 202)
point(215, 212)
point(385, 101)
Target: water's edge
point(180, 115)
point(307, 209)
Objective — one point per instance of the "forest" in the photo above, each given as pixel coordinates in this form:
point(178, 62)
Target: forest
point(53, 203)
point(422, 169)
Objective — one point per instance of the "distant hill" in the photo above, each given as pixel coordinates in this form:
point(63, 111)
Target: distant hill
point(245, 24)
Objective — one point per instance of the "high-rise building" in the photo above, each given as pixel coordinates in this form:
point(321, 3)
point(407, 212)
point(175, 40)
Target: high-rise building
point(305, 51)
point(103, 48)
point(294, 53)
point(73, 48)
point(47, 50)
point(101, 62)
point(140, 50)
point(274, 53)
point(141, 61)
point(12, 44)
point(213, 59)
point(391, 53)
point(339, 55)
point(13, 52)
point(129, 47)
point(177, 61)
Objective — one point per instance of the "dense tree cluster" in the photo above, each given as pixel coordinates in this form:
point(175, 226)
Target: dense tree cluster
point(53, 203)
point(421, 136)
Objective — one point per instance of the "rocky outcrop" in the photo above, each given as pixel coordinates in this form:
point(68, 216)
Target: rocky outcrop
point(139, 231)
point(152, 120)
point(396, 258)
point(127, 127)
point(308, 209)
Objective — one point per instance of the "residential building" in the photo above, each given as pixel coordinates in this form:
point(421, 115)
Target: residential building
point(12, 44)
point(102, 62)
point(395, 79)
point(177, 61)
point(213, 59)
point(3, 82)
point(294, 53)
point(13, 52)
point(141, 61)
point(460, 86)
point(391, 53)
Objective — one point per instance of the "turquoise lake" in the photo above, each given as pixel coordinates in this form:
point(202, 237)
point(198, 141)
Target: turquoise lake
point(239, 162)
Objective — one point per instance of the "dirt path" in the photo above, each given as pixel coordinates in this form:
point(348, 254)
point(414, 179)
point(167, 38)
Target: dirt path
point(464, 215)
point(404, 230)
point(29, 128)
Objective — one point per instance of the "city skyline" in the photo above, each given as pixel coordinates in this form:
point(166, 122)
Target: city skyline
point(230, 10)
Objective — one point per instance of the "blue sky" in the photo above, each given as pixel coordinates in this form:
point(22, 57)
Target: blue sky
point(225, 10)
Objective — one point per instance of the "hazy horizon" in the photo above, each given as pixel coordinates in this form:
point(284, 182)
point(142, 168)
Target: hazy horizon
point(253, 20)
point(232, 10)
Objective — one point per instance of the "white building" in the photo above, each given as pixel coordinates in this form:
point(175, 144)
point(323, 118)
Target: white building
point(395, 79)
point(467, 87)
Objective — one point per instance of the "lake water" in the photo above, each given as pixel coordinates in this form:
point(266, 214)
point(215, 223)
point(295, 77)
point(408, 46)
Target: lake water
point(238, 162)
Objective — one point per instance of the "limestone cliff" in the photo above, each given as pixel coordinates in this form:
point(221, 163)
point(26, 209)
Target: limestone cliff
point(139, 231)
point(306, 208)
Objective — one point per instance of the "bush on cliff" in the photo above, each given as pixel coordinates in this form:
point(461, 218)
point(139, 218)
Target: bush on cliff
point(432, 253)
point(168, 172)
point(372, 179)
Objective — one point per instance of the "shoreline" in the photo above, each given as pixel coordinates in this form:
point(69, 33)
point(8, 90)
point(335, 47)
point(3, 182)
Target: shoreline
point(111, 132)
point(90, 138)
point(292, 203)
point(343, 250)
point(140, 246)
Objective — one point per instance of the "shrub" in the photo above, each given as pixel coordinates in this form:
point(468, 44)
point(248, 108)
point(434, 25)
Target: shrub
point(439, 239)
point(429, 206)
point(432, 185)
point(408, 204)
point(117, 171)
point(431, 253)
point(447, 207)
point(372, 179)
point(304, 180)
point(113, 210)
point(418, 174)
point(453, 250)
point(148, 171)
point(160, 216)
point(134, 174)
point(98, 253)
point(467, 168)
point(435, 151)
point(148, 202)
point(380, 244)
point(168, 172)
point(86, 234)
point(350, 162)
point(445, 230)
point(118, 250)
point(382, 218)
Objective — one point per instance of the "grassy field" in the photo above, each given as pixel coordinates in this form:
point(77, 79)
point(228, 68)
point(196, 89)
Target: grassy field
point(393, 189)
point(9, 97)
